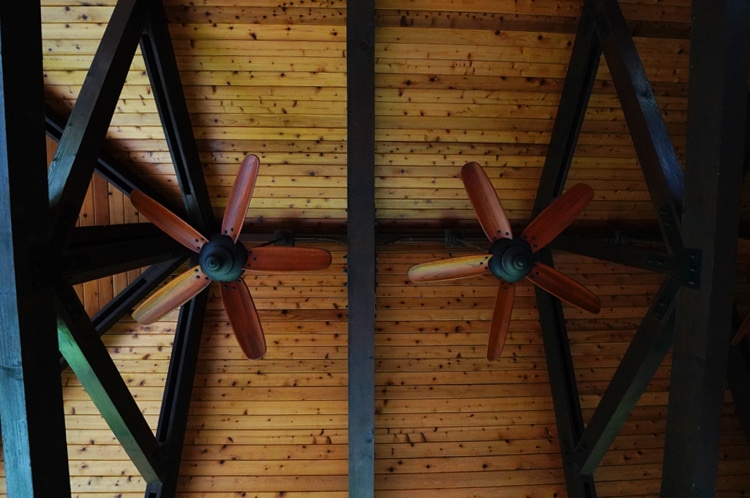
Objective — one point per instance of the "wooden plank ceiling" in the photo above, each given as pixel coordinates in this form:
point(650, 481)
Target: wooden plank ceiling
point(456, 81)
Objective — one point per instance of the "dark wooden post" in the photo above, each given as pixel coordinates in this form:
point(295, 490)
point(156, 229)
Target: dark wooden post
point(713, 177)
point(361, 244)
point(31, 411)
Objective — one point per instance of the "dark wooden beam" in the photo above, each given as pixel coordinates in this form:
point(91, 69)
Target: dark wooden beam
point(653, 146)
point(565, 397)
point(123, 303)
point(360, 61)
point(647, 256)
point(579, 81)
point(110, 169)
point(575, 96)
point(713, 179)
point(519, 22)
point(645, 354)
point(161, 65)
point(31, 411)
point(85, 131)
point(83, 350)
point(178, 391)
point(98, 251)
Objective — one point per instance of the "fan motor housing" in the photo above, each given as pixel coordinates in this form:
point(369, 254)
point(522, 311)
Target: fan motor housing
point(512, 259)
point(222, 258)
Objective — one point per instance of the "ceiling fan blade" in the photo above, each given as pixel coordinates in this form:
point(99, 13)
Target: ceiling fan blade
point(450, 269)
point(500, 320)
point(564, 288)
point(170, 223)
point(175, 293)
point(283, 258)
point(244, 318)
point(557, 216)
point(486, 204)
point(239, 199)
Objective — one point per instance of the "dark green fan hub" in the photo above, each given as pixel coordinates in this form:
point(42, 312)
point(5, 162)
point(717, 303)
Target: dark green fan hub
point(511, 259)
point(221, 259)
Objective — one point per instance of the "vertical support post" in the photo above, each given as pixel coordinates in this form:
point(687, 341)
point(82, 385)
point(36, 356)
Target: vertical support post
point(31, 411)
point(713, 178)
point(360, 43)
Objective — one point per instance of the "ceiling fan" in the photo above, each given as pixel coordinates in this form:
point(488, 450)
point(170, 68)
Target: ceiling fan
point(509, 259)
point(223, 258)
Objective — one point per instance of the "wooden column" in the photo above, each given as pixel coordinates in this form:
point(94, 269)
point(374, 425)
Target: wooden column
point(360, 25)
point(31, 411)
point(713, 178)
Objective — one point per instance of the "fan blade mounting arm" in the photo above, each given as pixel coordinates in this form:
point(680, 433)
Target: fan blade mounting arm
point(486, 204)
point(243, 317)
point(239, 199)
point(450, 269)
point(557, 216)
point(175, 293)
point(170, 223)
point(564, 288)
point(282, 258)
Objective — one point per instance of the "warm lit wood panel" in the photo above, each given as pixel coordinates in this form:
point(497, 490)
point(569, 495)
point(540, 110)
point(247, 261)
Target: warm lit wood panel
point(450, 422)
point(456, 81)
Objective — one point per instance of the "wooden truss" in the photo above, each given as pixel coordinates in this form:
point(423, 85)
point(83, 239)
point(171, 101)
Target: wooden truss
point(697, 213)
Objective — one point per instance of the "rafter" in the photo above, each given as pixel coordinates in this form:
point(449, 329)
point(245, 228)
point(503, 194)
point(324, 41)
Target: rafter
point(84, 351)
point(158, 54)
point(650, 256)
point(139, 288)
point(645, 354)
point(579, 80)
point(652, 143)
point(110, 169)
point(99, 251)
point(175, 406)
point(361, 242)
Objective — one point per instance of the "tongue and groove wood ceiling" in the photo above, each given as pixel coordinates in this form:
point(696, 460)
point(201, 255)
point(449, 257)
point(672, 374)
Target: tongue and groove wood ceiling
point(455, 81)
